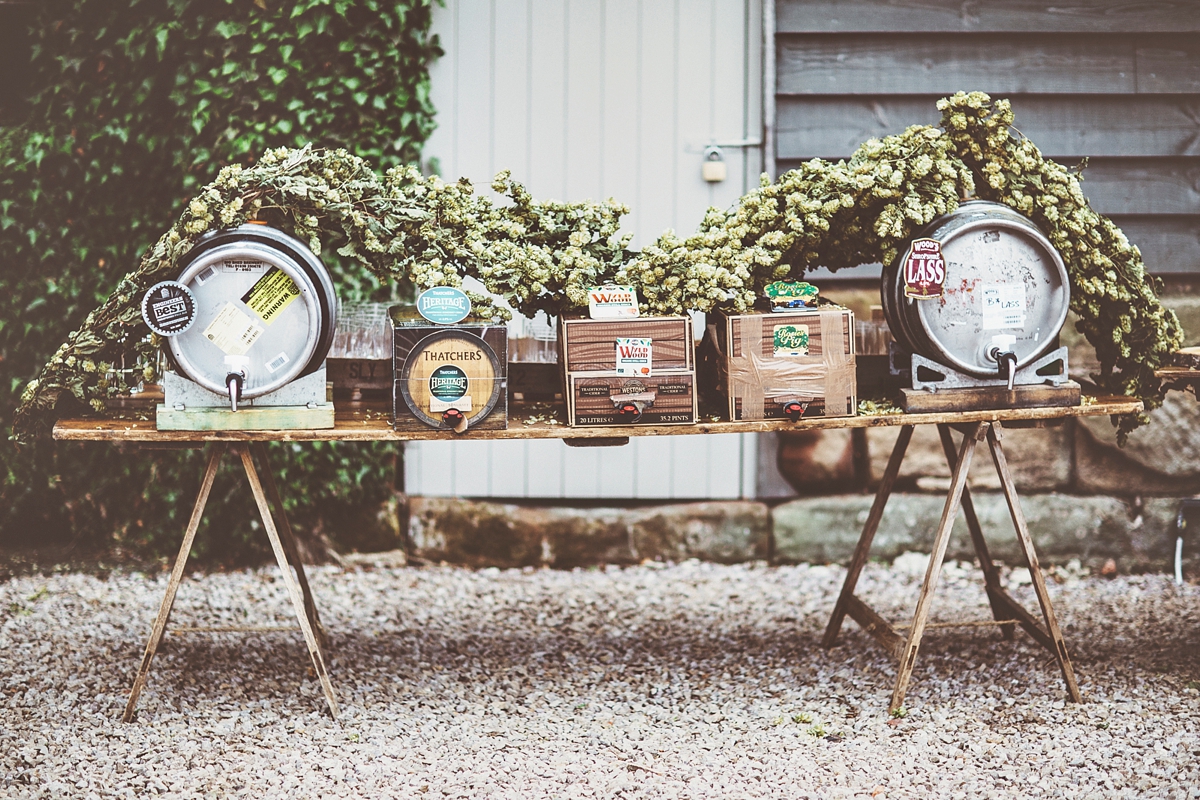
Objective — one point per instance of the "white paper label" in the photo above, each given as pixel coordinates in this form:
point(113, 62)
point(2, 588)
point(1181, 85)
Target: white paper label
point(635, 357)
point(244, 265)
point(1003, 306)
point(462, 404)
point(612, 302)
point(233, 331)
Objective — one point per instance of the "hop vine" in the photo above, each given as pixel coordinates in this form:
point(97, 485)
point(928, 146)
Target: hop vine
point(421, 232)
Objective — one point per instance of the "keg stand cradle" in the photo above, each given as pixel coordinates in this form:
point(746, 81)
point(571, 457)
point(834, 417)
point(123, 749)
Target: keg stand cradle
point(975, 307)
point(247, 326)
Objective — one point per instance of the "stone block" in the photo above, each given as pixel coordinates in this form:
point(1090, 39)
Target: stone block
point(1062, 526)
point(1162, 458)
point(506, 535)
point(1039, 458)
point(725, 532)
point(470, 533)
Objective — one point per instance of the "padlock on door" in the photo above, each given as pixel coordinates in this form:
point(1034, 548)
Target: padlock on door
point(713, 169)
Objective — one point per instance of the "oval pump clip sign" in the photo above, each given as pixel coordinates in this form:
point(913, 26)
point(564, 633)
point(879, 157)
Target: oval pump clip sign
point(444, 305)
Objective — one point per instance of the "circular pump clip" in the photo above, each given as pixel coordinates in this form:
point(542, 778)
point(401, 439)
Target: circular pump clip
point(454, 419)
point(794, 410)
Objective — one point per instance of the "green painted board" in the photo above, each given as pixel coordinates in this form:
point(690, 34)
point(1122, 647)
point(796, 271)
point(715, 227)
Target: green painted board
point(266, 418)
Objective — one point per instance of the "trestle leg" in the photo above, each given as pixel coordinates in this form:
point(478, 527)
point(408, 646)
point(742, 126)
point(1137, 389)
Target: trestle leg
point(288, 539)
point(958, 482)
point(1056, 644)
point(845, 601)
point(289, 580)
point(168, 601)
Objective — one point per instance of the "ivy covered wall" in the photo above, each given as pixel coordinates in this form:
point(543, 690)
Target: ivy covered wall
point(119, 113)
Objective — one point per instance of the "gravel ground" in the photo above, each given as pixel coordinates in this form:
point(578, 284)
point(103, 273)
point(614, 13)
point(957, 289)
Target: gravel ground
point(694, 680)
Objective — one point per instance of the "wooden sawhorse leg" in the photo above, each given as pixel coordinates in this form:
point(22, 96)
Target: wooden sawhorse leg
point(168, 601)
point(286, 555)
point(1004, 607)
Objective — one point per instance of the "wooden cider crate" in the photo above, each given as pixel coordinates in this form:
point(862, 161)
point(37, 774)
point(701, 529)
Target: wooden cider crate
point(756, 378)
point(478, 349)
point(590, 345)
point(667, 397)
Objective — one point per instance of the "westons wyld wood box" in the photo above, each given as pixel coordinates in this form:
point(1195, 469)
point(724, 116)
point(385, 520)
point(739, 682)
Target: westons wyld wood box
point(765, 362)
point(639, 371)
point(460, 369)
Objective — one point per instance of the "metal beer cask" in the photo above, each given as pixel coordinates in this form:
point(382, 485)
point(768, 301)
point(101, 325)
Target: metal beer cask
point(265, 308)
point(990, 251)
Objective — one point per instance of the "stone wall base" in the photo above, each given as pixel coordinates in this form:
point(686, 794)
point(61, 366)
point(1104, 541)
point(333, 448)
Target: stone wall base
point(1138, 536)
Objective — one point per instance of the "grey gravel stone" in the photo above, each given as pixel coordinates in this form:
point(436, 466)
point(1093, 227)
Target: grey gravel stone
point(689, 680)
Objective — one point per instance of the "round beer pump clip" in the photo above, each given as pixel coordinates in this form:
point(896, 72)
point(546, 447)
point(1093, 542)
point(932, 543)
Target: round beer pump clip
point(169, 308)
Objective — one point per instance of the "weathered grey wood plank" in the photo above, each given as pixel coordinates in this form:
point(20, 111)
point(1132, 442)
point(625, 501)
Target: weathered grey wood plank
point(1143, 185)
point(1004, 63)
point(1080, 16)
point(1169, 64)
point(944, 63)
point(1157, 185)
point(1169, 244)
point(1061, 125)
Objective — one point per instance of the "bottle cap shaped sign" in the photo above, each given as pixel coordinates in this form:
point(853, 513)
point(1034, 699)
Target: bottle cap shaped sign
point(924, 270)
point(444, 305)
point(169, 308)
point(788, 295)
point(612, 302)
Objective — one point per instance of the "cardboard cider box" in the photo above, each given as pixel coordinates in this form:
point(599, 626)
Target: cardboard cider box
point(636, 371)
point(765, 361)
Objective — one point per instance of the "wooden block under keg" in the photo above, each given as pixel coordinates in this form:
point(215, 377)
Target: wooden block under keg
point(590, 345)
point(766, 361)
point(668, 397)
point(923, 401)
point(443, 367)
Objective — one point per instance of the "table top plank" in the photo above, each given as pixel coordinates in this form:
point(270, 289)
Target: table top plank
point(371, 423)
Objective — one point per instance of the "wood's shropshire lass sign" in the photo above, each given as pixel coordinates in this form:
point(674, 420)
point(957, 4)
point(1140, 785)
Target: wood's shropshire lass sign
point(924, 270)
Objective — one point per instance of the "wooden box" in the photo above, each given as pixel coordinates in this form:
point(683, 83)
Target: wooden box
point(590, 345)
point(766, 361)
point(667, 397)
point(428, 358)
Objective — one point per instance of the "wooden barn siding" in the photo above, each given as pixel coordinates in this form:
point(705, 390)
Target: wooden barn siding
point(1115, 82)
point(592, 99)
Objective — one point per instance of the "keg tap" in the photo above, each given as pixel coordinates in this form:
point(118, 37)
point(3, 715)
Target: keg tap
point(1001, 351)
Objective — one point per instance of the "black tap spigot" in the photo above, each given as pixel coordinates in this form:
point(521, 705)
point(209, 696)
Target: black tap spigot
point(628, 412)
point(794, 410)
point(234, 381)
point(453, 419)
point(1006, 362)
point(1001, 351)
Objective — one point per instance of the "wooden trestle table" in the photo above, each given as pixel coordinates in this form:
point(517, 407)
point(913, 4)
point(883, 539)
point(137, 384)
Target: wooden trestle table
point(359, 422)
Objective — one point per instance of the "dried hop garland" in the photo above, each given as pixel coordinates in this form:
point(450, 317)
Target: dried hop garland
point(542, 256)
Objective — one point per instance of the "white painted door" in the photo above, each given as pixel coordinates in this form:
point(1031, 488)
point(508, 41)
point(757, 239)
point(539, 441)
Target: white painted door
point(594, 99)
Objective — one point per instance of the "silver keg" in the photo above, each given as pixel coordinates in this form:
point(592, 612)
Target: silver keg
point(1003, 297)
point(265, 312)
